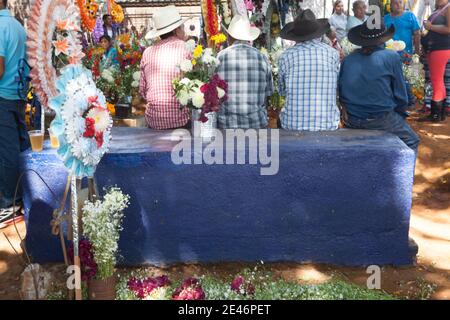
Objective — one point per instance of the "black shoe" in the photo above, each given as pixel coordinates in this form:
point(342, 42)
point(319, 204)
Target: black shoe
point(437, 112)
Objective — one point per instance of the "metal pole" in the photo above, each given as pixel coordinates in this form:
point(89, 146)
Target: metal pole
point(75, 183)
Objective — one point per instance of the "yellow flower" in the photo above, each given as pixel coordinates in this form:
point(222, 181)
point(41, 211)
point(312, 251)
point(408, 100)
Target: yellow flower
point(194, 62)
point(124, 38)
point(111, 108)
point(219, 38)
point(198, 51)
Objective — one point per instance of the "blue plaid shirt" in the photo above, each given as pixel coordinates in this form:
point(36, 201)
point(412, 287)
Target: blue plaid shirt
point(308, 74)
point(249, 76)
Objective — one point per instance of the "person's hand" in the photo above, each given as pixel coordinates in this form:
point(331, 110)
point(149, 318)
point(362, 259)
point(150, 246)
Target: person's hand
point(427, 25)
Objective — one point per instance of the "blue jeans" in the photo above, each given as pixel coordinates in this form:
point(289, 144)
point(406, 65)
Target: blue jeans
point(389, 121)
point(13, 140)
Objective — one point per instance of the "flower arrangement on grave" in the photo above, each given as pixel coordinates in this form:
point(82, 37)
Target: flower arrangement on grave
point(88, 13)
point(200, 87)
point(415, 75)
point(150, 288)
point(82, 123)
point(102, 224)
point(190, 289)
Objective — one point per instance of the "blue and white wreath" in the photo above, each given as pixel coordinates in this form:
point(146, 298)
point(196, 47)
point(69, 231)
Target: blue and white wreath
point(82, 123)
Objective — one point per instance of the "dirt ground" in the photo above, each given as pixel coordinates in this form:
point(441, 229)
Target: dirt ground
point(430, 228)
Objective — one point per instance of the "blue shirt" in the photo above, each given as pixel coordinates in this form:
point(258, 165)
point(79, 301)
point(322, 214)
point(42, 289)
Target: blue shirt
point(308, 74)
point(13, 49)
point(109, 59)
point(372, 84)
point(405, 26)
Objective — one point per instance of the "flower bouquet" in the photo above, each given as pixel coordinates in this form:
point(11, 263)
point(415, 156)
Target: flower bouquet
point(201, 89)
point(415, 76)
point(102, 223)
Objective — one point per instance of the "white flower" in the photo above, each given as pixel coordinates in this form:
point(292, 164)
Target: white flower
point(198, 99)
point(137, 76)
point(190, 45)
point(135, 84)
point(415, 59)
point(185, 81)
point(158, 294)
point(186, 65)
point(101, 117)
point(220, 92)
point(183, 97)
point(107, 75)
point(209, 59)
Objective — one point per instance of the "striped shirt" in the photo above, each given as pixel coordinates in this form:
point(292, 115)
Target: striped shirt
point(249, 76)
point(308, 74)
point(159, 66)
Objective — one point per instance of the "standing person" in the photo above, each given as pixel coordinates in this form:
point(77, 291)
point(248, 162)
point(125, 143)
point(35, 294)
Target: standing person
point(372, 86)
point(308, 74)
point(108, 27)
point(159, 66)
point(359, 14)
point(338, 20)
point(13, 71)
point(436, 45)
point(249, 76)
point(407, 27)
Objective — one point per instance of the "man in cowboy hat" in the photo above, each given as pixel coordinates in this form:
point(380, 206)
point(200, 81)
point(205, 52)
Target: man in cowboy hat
point(249, 76)
point(159, 66)
point(372, 87)
point(308, 74)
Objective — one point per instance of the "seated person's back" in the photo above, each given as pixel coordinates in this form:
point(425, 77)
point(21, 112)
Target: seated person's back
point(249, 77)
point(308, 74)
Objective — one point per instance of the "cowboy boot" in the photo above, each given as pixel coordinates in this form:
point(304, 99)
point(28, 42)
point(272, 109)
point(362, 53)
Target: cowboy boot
point(436, 112)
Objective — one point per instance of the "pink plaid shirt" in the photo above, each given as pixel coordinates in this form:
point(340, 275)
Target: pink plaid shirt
point(159, 66)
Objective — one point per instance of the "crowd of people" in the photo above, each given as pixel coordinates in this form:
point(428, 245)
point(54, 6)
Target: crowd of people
point(365, 90)
point(322, 88)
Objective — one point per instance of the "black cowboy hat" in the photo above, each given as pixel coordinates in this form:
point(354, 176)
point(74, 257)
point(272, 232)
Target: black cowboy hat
point(364, 36)
point(305, 27)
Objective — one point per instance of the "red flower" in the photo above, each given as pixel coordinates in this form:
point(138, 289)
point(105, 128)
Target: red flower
point(89, 131)
point(241, 286)
point(142, 288)
point(99, 139)
point(189, 290)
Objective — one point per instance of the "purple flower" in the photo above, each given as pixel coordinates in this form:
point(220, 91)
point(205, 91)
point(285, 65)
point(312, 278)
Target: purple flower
point(88, 264)
point(142, 288)
point(241, 286)
point(189, 290)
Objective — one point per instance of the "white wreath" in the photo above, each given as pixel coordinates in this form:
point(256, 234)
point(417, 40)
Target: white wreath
point(80, 154)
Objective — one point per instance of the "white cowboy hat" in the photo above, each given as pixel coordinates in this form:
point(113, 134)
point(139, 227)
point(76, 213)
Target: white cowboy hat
point(240, 29)
point(165, 20)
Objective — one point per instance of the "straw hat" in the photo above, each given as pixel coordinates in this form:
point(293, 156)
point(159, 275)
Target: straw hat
point(240, 29)
point(165, 20)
